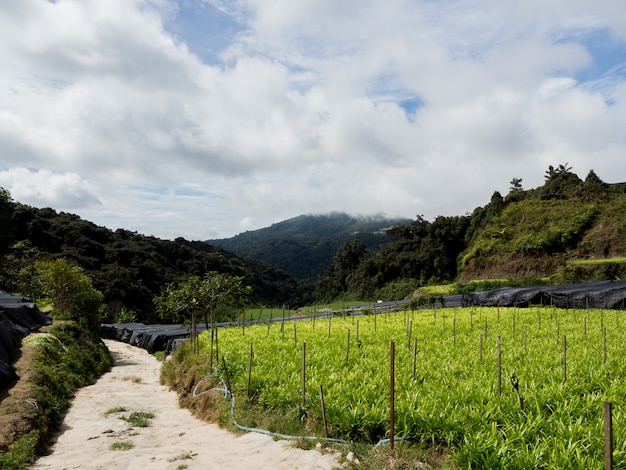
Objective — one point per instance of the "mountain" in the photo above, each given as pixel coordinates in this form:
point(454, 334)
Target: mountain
point(305, 245)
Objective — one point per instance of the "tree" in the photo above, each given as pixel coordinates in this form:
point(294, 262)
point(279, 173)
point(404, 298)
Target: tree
point(70, 290)
point(7, 211)
point(593, 179)
point(196, 296)
point(516, 184)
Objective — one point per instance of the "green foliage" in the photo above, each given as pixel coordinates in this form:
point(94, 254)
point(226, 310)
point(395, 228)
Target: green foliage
point(422, 252)
point(395, 290)
point(491, 284)
point(139, 419)
point(122, 445)
point(22, 453)
point(452, 398)
point(126, 315)
point(534, 227)
point(71, 291)
point(65, 359)
point(195, 296)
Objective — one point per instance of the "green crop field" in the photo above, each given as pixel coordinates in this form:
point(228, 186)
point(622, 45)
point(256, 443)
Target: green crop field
point(537, 404)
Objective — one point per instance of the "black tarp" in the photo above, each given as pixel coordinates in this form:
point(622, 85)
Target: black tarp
point(18, 317)
point(599, 294)
point(150, 337)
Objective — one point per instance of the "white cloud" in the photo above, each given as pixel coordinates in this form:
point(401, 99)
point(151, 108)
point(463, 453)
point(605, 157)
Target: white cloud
point(302, 110)
point(44, 188)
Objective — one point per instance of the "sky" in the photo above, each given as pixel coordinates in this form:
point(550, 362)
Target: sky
point(206, 118)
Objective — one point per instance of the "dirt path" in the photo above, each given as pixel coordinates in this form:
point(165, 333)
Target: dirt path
point(174, 440)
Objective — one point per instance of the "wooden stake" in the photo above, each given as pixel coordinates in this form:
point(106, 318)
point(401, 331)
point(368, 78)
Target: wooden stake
point(604, 345)
point(499, 365)
point(303, 373)
point(348, 348)
point(410, 332)
point(323, 411)
point(414, 357)
point(392, 395)
point(249, 370)
point(564, 358)
point(230, 391)
point(211, 350)
point(330, 321)
point(608, 435)
point(525, 337)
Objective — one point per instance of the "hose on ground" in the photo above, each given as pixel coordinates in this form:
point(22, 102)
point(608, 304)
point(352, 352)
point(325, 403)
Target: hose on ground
point(227, 392)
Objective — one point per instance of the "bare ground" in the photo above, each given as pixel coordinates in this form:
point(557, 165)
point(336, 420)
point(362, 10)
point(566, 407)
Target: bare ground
point(174, 439)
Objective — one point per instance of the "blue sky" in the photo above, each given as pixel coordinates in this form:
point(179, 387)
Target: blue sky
point(206, 118)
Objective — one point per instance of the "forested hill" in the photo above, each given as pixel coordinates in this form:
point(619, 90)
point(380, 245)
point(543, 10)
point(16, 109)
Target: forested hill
point(567, 230)
point(128, 268)
point(305, 245)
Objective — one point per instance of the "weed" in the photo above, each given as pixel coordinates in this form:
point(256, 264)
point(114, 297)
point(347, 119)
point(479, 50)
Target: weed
point(132, 379)
point(138, 419)
point(122, 445)
point(117, 409)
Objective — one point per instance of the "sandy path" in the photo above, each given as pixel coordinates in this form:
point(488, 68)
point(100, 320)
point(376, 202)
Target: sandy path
point(174, 440)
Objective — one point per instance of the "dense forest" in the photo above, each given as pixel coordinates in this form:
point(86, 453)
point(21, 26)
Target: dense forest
point(128, 268)
point(566, 230)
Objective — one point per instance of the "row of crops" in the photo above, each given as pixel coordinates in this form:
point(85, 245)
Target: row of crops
point(502, 388)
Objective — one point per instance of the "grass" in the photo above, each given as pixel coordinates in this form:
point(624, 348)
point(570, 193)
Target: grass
point(122, 445)
point(139, 419)
point(585, 262)
point(117, 409)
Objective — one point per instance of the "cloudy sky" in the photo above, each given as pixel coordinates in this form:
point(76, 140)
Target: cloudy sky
point(206, 118)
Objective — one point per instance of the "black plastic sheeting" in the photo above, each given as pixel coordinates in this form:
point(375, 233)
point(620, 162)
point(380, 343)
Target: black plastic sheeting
point(608, 295)
point(152, 338)
point(18, 318)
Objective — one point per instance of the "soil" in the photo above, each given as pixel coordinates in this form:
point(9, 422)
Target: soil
point(93, 428)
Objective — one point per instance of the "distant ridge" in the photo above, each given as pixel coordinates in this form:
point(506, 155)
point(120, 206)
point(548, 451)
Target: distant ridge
point(305, 245)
